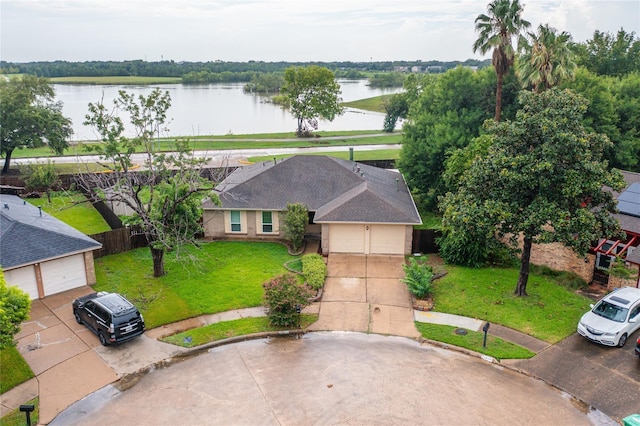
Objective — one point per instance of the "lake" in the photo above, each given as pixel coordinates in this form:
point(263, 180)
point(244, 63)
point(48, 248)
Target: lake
point(217, 109)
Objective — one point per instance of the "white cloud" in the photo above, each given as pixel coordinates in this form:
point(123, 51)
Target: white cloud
point(276, 30)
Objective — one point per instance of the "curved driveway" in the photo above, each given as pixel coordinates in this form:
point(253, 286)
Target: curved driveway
point(330, 378)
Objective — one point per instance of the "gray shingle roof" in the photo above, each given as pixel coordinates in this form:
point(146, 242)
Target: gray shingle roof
point(336, 190)
point(27, 236)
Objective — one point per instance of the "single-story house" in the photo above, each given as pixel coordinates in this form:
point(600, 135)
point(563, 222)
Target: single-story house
point(353, 207)
point(40, 254)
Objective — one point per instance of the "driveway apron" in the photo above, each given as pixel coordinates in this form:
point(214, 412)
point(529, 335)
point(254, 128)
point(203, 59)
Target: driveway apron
point(60, 353)
point(365, 294)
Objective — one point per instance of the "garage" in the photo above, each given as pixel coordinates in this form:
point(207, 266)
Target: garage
point(25, 279)
point(367, 239)
point(63, 274)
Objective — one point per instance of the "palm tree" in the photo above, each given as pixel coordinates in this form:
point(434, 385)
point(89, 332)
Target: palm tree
point(547, 61)
point(496, 28)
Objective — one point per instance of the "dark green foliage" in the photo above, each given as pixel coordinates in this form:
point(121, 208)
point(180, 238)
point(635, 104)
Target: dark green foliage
point(567, 279)
point(265, 83)
point(418, 278)
point(14, 309)
point(296, 217)
point(282, 295)
point(314, 270)
point(389, 79)
point(608, 54)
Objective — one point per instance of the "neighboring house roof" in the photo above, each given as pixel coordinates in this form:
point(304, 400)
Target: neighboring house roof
point(28, 235)
point(336, 190)
point(631, 194)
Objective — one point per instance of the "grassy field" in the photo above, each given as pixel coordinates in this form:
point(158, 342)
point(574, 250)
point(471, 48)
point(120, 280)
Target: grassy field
point(125, 79)
point(221, 143)
point(18, 418)
point(375, 104)
point(378, 154)
point(75, 210)
point(218, 277)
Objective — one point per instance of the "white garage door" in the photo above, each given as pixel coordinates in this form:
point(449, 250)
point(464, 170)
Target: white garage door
point(386, 239)
point(63, 274)
point(25, 279)
point(346, 238)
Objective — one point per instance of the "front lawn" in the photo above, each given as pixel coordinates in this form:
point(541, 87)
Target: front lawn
point(218, 277)
point(13, 369)
point(74, 210)
point(550, 312)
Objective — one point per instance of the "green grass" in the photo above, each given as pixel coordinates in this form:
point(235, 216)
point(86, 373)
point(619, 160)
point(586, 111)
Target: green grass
point(218, 277)
point(74, 210)
point(379, 154)
point(226, 142)
point(13, 369)
point(375, 104)
point(473, 340)
point(430, 221)
point(227, 329)
point(549, 313)
point(124, 79)
point(18, 418)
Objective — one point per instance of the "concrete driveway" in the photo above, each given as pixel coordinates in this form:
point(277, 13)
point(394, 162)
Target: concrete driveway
point(329, 379)
point(67, 358)
point(364, 293)
point(608, 378)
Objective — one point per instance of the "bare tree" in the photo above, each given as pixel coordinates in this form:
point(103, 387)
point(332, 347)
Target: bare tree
point(166, 193)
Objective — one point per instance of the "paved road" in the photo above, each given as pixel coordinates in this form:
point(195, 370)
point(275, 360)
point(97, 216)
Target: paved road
point(218, 158)
point(331, 378)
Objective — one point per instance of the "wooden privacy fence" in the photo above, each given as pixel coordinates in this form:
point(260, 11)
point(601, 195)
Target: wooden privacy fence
point(424, 240)
point(119, 241)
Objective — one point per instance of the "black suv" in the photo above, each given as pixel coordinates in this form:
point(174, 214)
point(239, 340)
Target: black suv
point(112, 317)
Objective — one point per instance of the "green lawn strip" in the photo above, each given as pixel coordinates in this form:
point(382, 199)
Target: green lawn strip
point(18, 418)
point(74, 210)
point(549, 313)
point(118, 79)
point(217, 277)
point(375, 103)
point(13, 369)
point(368, 155)
point(212, 143)
point(227, 329)
point(473, 340)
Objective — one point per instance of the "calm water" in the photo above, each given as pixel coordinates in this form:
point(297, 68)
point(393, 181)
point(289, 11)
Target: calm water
point(217, 109)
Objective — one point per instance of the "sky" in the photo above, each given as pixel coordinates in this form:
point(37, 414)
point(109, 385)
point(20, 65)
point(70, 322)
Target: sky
point(277, 30)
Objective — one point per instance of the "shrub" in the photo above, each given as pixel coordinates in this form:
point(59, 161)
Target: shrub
point(14, 308)
point(296, 217)
point(314, 270)
point(418, 277)
point(282, 295)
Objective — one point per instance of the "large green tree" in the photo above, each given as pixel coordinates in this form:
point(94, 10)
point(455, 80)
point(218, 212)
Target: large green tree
point(609, 54)
point(30, 117)
point(447, 115)
point(496, 30)
point(166, 194)
point(310, 93)
point(541, 181)
point(547, 59)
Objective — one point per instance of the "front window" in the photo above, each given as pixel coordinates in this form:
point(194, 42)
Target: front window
point(610, 311)
point(267, 222)
point(235, 221)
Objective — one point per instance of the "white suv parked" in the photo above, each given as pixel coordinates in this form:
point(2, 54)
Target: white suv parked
point(613, 319)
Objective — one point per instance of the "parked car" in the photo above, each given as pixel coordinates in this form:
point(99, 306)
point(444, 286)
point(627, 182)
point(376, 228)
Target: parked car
point(110, 316)
point(613, 319)
point(638, 347)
